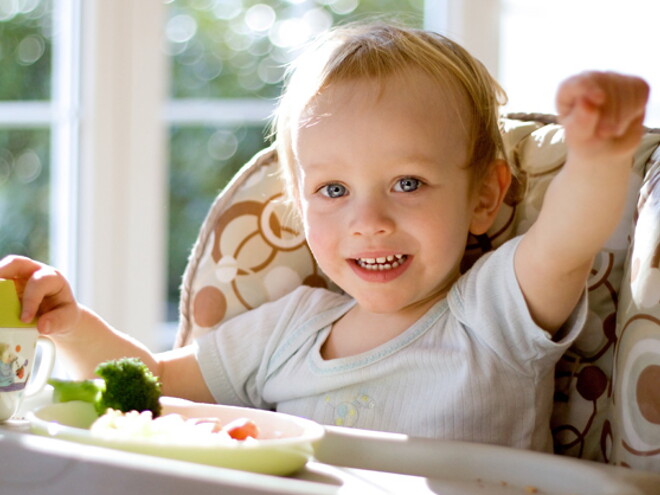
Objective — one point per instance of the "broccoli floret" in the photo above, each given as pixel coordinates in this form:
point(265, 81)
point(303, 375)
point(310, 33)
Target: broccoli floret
point(126, 385)
point(129, 386)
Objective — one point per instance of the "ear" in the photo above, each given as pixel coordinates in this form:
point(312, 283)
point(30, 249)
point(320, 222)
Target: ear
point(489, 195)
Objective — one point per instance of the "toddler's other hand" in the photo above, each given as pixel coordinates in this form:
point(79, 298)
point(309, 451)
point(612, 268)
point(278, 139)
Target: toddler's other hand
point(602, 113)
point(44, 292)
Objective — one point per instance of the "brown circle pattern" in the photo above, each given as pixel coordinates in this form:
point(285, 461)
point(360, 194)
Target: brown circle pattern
point(648, 393)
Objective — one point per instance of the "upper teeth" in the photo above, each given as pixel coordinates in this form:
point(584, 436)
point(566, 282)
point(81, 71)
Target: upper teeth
point(382, 263)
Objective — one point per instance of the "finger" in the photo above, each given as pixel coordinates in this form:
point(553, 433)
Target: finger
point(638, 96)
point(45, 283)
point(611, 108)
point(577, 88)
point(55, 321)
point(625, 103)
point(632, 136)
point(18, 267)
point(582, 121)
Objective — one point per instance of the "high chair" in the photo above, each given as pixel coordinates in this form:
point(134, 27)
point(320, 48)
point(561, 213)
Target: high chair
point(607, 398)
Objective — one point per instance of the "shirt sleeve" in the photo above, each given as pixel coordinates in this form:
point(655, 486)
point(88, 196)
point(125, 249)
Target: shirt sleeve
point(489, 302)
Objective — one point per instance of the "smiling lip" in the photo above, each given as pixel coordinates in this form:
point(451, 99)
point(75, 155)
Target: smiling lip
point(380, 269)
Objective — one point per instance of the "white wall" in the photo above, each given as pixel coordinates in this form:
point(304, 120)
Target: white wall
point(545, 41)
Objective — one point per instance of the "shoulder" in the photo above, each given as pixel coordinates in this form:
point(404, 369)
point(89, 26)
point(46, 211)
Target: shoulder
point(489, 304)
point(490, 273)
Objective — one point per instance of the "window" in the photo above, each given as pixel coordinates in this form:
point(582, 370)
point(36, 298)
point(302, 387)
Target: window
point(25, 135)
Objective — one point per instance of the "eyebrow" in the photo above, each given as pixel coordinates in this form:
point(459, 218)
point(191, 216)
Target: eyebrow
point(404, 160)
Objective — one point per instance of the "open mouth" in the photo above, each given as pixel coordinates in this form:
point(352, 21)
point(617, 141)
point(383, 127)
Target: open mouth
point(381, 264)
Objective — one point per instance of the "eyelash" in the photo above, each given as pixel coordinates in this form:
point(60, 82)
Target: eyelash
point(418, 183)
point(325, 190)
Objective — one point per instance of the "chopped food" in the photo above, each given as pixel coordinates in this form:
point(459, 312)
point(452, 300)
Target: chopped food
point(174, 428)
point(125, 384)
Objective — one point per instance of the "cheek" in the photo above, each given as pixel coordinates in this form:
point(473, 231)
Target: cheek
point(316, 235)
point(319, 233)
point(449, 230)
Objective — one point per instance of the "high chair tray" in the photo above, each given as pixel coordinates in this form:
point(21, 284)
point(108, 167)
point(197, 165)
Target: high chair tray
point(348, 462)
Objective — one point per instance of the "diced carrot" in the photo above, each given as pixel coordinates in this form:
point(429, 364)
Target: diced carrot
point(242, 428)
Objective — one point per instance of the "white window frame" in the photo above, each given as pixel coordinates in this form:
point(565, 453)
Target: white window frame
point(475, 24)
point(65, 121)
point(123, 168)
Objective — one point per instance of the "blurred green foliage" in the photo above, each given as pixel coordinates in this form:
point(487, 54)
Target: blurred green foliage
point(24, 192)
point(25, 74)
point(25, 49)
point(238, 48)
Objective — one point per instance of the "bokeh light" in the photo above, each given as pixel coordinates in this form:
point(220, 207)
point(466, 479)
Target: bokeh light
point(260, 17)
point(28, 166)
point(181, 28)
point(30, 49)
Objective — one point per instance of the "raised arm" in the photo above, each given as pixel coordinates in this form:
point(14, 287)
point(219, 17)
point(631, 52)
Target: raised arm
point(602, 114)
point(83, 339)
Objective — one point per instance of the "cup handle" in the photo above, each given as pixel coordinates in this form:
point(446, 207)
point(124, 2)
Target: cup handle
point(39, 380)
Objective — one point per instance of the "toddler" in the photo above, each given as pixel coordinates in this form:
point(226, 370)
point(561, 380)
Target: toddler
point(389, 141)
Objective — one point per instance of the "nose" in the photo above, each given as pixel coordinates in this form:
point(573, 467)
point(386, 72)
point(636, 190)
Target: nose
point(372, 216)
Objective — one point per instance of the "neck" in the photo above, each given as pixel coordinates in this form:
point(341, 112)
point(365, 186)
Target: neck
point(360, 330)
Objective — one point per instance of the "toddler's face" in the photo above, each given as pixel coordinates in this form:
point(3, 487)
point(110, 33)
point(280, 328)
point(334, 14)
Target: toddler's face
point(384, 191)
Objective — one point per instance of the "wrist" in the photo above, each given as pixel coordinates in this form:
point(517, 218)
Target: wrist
point(75, 329)
point(597, 164)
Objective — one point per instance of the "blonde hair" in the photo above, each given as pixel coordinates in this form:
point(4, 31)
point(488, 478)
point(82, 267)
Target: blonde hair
point(376, 51)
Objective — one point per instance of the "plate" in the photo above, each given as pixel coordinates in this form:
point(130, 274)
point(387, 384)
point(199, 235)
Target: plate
point(284, 446)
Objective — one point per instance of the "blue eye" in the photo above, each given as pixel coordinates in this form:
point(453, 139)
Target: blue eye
point(333, 190)
point(407, 184)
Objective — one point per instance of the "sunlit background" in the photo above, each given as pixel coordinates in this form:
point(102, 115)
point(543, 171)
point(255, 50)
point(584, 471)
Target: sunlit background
point(224, 64)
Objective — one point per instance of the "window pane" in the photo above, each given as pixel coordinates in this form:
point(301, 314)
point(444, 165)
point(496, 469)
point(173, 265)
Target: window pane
point(203, 160)
point(237, 48)
point(24, 192)
point(25, 49)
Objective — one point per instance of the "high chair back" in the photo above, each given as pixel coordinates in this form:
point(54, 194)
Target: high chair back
point(607, 400)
